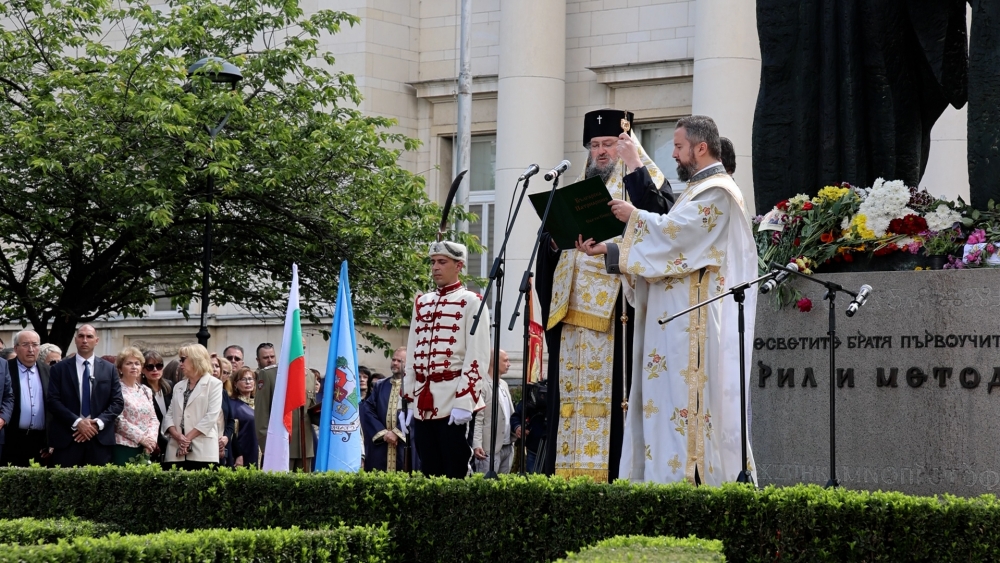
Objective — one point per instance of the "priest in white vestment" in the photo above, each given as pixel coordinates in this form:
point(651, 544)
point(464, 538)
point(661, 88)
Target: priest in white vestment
point(683, 419)
point(587, 322)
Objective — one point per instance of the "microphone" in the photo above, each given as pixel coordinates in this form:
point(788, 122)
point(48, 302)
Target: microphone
point(555, 172)
point(863, 294)
point(774, 282)
point(528, 173)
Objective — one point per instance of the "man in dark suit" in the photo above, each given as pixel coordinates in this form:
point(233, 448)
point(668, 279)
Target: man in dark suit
point(85, 398)
point(30, 381)
point(6, 404)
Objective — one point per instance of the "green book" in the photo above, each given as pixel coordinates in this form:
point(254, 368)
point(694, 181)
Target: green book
point(579, 209)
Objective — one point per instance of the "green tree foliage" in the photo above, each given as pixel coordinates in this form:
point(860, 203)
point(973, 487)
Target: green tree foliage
point(105, 155)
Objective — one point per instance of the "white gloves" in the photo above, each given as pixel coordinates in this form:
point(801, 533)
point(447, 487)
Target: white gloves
point(459, 416)
point(405, 418)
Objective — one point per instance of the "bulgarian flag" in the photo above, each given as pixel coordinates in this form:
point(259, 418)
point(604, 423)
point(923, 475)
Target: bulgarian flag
point(289, 386)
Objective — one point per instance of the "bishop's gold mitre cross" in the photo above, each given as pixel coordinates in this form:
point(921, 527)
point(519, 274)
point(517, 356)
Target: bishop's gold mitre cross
point(626, 126)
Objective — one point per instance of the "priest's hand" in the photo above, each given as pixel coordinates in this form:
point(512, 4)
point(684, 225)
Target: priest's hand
point(391, 438)
point(589, 248)
point(621, 209)
point(629, 152)
point(459, 416)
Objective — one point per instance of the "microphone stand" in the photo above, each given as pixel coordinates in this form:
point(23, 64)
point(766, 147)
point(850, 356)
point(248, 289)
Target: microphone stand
point(496, 275)
point(831, 294)
point(739, 295)
point(523, 290)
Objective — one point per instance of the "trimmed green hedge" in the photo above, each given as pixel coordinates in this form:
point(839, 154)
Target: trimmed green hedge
point(520, 520)
point(362, 545)
point(663, 549)
point(26, 531)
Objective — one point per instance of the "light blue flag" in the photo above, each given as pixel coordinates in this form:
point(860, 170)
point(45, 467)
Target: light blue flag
point(340, 441)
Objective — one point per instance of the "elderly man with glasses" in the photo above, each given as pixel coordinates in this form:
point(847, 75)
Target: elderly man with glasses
point(26, 439)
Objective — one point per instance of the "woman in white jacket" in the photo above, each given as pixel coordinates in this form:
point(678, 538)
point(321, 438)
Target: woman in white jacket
point(194, 413)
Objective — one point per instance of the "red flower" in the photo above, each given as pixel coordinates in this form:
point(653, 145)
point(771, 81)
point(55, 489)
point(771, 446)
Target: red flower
point(796, 241)
point(804, 305)
point(908, 225)
point(807, 206)
point(848, 257)
point(783, 205)
point(887, 249)
point(826, 237)
point(683, 413)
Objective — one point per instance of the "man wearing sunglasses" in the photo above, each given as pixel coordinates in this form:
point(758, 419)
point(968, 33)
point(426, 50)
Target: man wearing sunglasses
point(26, 437)
point(234, 353)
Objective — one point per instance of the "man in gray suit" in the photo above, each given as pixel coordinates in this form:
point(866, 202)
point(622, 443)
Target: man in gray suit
point(26, 438)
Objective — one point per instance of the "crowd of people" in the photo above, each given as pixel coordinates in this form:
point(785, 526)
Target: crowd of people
point(196, 411)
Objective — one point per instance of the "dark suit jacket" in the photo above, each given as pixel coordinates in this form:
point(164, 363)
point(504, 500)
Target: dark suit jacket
point(15, 381)
point(63, 401)
point(6, 399)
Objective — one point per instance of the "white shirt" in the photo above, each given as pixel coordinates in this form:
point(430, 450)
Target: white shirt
point(79, 379)
point(32, 399)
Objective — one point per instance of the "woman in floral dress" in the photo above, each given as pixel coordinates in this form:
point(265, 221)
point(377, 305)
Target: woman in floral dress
point(137, 425)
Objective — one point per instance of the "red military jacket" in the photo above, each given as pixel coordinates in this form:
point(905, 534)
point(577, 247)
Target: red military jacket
point(444, 363)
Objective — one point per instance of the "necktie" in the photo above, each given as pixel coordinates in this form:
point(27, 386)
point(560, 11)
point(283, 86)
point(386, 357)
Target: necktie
point(85, 403)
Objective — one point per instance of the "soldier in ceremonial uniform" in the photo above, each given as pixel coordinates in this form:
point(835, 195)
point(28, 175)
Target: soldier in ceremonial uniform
point(445, 365)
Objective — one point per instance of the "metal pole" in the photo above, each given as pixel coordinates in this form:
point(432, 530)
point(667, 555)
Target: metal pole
point(464, 142)
point(206, 265)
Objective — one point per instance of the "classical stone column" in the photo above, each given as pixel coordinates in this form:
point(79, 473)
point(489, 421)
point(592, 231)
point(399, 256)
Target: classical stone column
point(531, 100)
point(727, 76)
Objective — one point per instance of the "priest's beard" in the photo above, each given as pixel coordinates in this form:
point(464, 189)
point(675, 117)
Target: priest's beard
point(594, 169)
point(686, 170)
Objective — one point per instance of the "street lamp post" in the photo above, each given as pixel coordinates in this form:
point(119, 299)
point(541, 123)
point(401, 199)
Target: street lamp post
point(227, 74)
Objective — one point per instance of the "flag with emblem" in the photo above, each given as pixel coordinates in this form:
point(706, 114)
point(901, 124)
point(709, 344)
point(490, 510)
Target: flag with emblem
point(289, 386)
point(340, 422)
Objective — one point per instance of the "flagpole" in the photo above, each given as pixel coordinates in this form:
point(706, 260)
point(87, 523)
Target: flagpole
point(302, 440)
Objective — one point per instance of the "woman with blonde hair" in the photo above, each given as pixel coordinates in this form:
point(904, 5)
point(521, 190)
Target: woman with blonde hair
point(136, 427)
point(192, 418)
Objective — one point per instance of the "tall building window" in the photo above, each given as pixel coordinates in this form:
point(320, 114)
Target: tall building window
point(658, 141)
point(482, 196)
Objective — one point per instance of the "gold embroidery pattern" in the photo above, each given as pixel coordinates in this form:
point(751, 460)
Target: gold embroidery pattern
point(674, 463)
point(390, 423)
point(649, 409)
point(636, 268)
point(584, 430)
point(696, 378)
point(716, 255)
point(649, 453)
point(672, 230)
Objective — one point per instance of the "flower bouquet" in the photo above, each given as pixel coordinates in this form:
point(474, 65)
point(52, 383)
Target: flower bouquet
point(888, 226)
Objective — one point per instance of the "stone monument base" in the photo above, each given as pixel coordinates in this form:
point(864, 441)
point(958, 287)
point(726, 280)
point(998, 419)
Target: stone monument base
point(917, 369)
